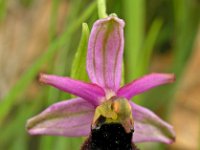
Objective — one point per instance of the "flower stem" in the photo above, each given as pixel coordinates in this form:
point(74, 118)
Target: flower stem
point(102, 8)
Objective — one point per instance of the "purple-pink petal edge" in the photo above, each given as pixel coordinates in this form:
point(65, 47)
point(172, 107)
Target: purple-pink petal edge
point(149, 127)
point(65, 118)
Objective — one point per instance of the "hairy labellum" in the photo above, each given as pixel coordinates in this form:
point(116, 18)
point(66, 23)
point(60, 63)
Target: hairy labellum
point(108, 137)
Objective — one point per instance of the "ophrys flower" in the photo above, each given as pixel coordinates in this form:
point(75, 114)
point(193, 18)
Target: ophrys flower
point(103, 97)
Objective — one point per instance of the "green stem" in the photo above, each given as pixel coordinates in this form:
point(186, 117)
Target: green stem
point(102, 8)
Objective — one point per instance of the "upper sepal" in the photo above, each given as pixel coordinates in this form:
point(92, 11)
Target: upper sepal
point(105, 50)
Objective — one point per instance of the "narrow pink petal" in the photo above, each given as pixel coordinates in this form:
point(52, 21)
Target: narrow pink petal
point(105, 50)
point(144, 84)
point(149, 127)
point(67, 118)
point(90, 92)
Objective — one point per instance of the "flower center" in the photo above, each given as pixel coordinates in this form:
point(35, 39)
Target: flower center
point(114, 110)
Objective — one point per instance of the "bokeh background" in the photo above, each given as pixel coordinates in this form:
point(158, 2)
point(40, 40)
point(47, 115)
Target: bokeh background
point(43, 35)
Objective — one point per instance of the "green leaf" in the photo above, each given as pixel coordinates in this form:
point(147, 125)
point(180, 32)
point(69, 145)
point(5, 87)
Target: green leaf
point(149, 44)
point(3, 9)
point(79, 64)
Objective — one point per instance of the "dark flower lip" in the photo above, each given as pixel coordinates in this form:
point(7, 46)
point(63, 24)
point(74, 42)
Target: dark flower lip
point(109, 136)
point(104, 66)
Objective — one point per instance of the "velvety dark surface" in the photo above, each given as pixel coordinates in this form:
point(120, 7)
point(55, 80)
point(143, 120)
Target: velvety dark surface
point(109, 137)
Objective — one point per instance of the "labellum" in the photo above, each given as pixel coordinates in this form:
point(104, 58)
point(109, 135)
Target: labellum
point(112, 127)
point(109, 136)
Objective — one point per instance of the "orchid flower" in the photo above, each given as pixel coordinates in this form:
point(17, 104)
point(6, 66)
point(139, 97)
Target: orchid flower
point(103, 96)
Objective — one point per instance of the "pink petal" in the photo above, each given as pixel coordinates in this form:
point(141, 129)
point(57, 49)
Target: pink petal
point(67, 118)
point(105, 50)
point(90, 92)
point(149, 127)
point(144, 84)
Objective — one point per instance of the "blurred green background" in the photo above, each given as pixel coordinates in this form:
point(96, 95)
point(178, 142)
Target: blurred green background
point(43, 36)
